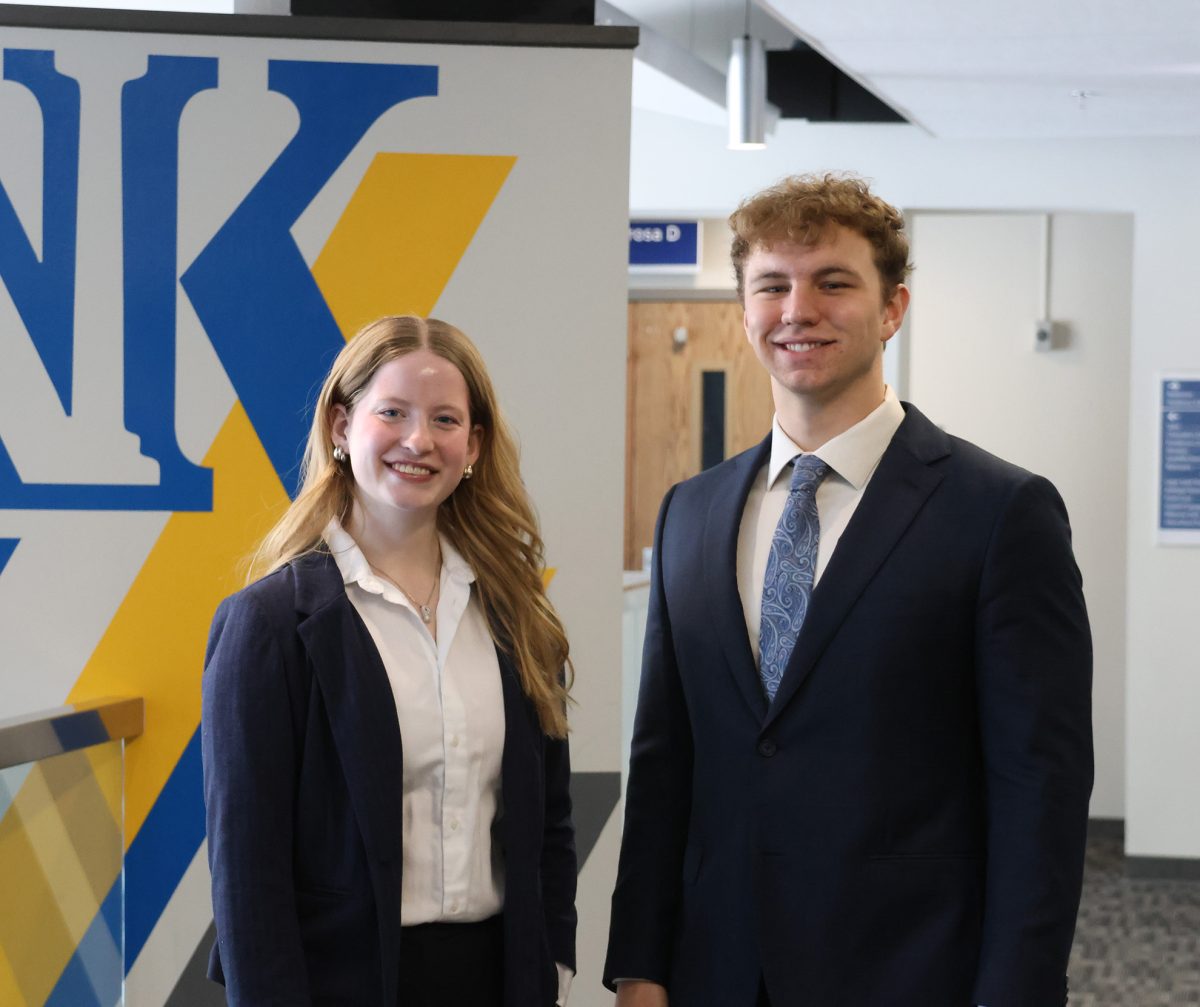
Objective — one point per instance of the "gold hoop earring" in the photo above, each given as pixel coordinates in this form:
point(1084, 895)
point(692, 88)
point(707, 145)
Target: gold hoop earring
point(468, 471)
point(339, 453)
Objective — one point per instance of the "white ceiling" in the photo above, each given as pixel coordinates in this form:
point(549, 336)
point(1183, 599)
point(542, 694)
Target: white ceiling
point(962, 68)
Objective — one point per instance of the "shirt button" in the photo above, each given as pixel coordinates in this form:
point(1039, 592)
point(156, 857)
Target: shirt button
point(767, 748)
point(453, 824)
point(453, 907)
point(454, 741)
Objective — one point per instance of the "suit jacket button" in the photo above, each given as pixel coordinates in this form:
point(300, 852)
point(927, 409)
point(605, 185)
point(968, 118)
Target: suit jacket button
point(767, 748)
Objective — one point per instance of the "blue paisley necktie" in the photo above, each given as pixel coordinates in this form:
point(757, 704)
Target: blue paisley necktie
point(788, 584)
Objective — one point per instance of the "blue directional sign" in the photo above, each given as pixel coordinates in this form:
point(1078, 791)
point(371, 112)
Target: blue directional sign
point(664, 245)
point(1179, 469)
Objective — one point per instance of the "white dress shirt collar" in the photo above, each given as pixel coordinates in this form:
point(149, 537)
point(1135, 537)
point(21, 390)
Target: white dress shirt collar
point(852, 454)
point(355, 569)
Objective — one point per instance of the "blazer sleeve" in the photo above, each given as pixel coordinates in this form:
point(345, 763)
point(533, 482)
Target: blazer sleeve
point(1034, 672)
point(250, 766)
point(658, 801)
point(558, 865)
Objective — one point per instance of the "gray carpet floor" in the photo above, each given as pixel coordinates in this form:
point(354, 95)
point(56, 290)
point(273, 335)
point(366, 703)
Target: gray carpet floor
point(1137, 943)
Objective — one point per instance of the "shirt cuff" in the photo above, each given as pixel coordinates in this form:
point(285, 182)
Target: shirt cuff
point(565, 975)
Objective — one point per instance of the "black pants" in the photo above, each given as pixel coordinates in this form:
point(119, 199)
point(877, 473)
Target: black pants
point(452, 965)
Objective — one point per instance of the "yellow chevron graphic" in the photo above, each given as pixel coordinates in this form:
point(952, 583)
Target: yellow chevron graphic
point(403, 233)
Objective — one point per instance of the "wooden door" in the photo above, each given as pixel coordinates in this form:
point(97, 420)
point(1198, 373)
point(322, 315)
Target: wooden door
point(672, 347)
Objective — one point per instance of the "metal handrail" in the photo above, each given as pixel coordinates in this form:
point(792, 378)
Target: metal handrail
point(67, 728)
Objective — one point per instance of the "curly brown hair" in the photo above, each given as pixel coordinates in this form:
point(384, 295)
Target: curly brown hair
point(801, 208)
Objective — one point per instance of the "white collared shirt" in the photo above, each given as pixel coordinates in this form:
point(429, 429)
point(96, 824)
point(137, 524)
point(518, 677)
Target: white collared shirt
point(450, 706)
point(852, 457)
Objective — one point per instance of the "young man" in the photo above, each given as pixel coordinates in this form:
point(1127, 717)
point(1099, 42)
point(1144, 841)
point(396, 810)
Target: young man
point(862, 755)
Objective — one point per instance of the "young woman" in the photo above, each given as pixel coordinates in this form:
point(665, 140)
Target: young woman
point(384, 710)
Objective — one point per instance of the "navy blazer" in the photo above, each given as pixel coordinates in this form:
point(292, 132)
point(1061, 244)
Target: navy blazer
point(904, 825)
point(302, 784)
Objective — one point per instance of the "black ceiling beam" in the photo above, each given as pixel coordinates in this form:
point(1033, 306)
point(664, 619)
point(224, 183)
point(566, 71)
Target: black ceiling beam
point(803, 84)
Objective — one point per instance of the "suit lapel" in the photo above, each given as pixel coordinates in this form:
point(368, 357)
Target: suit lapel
point(718, 545)
point(358, 700)
point(905, 478)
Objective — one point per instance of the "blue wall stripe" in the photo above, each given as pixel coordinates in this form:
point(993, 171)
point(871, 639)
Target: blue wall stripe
point(112, 909)
point(166, 844)
point(95, 968)
point(75, 985)
point(7, 547)
point(100, 954)
point(74, 988)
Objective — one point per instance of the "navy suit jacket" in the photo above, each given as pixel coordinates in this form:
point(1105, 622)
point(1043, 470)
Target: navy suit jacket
point(302, 782)
point(904, 825)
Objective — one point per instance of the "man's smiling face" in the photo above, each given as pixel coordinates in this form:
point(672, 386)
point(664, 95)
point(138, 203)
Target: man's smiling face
point(817, 319)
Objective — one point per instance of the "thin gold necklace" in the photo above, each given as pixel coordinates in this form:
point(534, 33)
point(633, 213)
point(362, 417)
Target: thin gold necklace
point(424, 610)
point(426, 613)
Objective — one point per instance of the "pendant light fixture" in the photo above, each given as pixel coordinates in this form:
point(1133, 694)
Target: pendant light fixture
point(746, 91)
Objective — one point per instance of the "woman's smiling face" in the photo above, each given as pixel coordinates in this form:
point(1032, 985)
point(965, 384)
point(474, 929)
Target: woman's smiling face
point(409, 437)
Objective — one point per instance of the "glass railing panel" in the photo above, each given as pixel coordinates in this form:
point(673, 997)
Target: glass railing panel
point(61, 857)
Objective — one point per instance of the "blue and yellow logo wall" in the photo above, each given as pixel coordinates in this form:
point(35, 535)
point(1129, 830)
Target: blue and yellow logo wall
point(104, 380)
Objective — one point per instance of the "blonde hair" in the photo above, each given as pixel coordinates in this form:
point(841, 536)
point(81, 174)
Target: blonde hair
point(489, 518)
